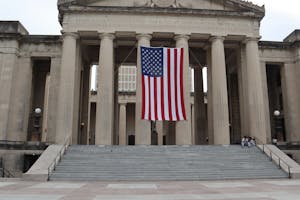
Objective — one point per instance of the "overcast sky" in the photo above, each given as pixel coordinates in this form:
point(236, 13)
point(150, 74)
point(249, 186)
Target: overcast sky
point(40, 16)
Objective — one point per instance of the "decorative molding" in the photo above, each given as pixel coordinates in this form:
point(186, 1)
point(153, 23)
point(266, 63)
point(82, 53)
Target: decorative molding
point(164, 3)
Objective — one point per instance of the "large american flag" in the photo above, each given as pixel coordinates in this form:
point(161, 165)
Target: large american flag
point(162, 84)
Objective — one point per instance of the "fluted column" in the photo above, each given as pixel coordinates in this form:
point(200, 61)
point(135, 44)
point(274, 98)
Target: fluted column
point(66, 99)
point(53, 91)
point(199, 108)
point(105, 97)
point(184, 128)
point(257, 114)
point(210, 128)
point(160, 132)
point(220, 114)
point(122, 125)
point(142, 127)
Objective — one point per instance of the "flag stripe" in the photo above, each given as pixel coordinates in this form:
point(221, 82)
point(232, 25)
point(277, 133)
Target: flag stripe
point(181, 84)
point(146, 97)
point(166, 85)
point(159, 100)
point(176, 82)
point(150, 104)
point(173, 87)
point(155, 98)
point(163, 118)
point(178, 88)
point(143, 97)
point(169, 85)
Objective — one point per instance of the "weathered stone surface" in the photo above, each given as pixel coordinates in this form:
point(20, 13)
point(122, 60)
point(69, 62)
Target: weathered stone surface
point(12, 27)
point(293, 37)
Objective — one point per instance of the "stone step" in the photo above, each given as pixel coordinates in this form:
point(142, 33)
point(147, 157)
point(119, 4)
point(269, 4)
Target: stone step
point(164, 163)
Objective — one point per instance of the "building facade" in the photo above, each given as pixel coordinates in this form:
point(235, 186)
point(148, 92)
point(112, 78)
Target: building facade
point(45, 81)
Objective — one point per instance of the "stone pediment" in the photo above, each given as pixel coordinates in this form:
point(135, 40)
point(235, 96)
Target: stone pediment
point(203, 7)
point(228, 5)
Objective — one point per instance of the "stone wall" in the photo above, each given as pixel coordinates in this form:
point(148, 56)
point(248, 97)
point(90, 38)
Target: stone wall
point(13, 160)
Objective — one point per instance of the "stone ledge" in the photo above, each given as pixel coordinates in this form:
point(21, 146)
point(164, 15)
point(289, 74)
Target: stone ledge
point(294, 166)
point(12, 27)
point(39, 171)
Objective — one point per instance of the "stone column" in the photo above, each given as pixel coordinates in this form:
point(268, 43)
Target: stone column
point(122, 125)
point(160, 132)
point(85, 101)
point(184, 128)
point(199, 108)
point(266, 100)
point(291, 101)
point(219, 92)
point(210, 127)
point(243, 94)
point(21, 94)
point(142, 127)
point(194, 139)
point(257, 114)
point(46, 108)
point(66, 99)
point(8, 61)
point(105, 97)
point(53, 97)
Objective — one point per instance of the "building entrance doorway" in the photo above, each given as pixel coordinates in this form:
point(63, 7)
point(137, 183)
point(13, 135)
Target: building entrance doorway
point(277, 118)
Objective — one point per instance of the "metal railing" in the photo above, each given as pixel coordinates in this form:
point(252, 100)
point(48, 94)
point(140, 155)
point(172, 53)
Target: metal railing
point(273, 155)
point(58, 157)
point(7, 173)
point(4, 172)
point(1, 168)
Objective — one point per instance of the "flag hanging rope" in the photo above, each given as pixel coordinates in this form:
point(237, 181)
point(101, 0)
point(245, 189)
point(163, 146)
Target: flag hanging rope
point(193, 55)
point(129, 54)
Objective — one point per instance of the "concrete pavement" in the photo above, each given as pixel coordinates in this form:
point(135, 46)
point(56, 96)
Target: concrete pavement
point(186, 190)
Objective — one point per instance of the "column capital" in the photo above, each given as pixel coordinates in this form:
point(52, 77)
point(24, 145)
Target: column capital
point(217, 37)
point(143, 36)
point(107, 36)
point(181, 36)
point(70, 34)
point(123, 103)
point(251, 39)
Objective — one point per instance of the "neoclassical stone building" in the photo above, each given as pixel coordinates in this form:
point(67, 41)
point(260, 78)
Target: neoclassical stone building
point(247, 79)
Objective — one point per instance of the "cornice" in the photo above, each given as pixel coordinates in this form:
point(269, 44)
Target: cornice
point(247, 5)
point(145, 10)
point(248, 9)
point(274, 45)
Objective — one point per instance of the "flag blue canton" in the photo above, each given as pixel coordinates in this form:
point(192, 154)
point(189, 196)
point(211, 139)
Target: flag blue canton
point(152, 61)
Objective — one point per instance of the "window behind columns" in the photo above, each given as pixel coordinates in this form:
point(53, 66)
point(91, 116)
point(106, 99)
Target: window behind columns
point(127, 78)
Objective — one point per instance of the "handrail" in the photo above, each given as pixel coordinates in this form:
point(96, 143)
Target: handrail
point(280, 161)
point(57, 158)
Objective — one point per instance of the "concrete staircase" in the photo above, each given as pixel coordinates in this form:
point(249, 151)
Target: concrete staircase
point(147, 163)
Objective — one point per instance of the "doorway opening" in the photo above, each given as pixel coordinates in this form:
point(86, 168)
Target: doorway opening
point(274, 81)
point(39, 99)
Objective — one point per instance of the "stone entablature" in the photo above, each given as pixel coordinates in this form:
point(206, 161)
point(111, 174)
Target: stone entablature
point(191, 4)
point(228, 18)
point(179, 8)
point(150, 23)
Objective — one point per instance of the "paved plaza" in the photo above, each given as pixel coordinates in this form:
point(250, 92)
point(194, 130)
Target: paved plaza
point(189, 190)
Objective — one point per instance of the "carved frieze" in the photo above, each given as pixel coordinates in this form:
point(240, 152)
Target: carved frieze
point(164, 3)
point(142, 3)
